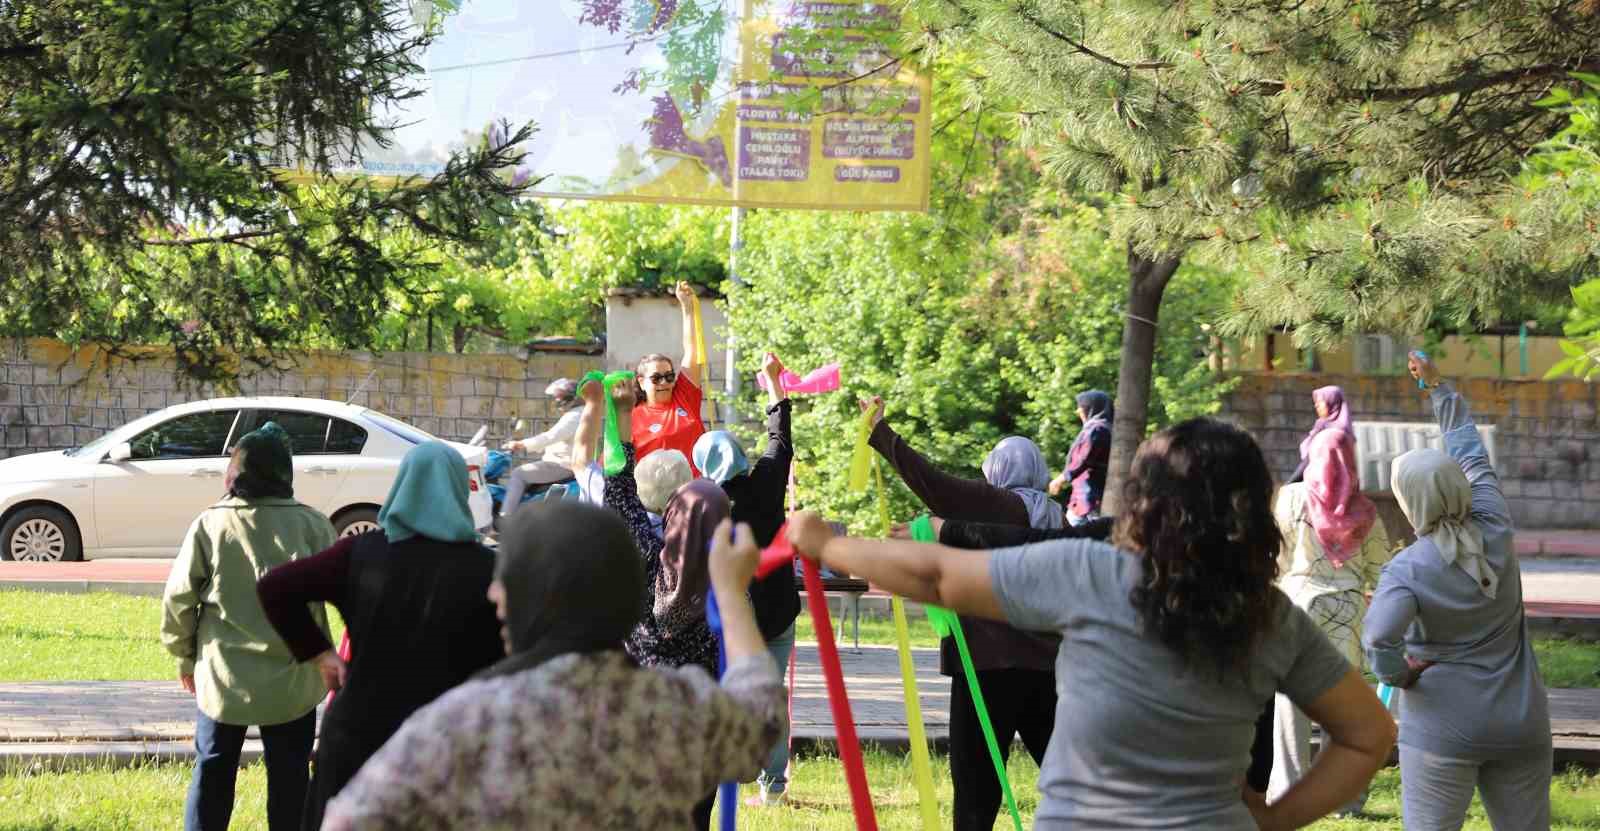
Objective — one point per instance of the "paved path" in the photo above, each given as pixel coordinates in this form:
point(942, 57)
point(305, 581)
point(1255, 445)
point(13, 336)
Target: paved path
point(155, 712)
point(160, 711)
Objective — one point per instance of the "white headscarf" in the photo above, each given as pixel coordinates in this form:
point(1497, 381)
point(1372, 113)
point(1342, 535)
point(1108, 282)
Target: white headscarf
point(1017, 465)
point(1436, 496)
point(658, 476)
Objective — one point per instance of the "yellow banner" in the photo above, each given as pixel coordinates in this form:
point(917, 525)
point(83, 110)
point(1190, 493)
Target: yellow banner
point(761, 103)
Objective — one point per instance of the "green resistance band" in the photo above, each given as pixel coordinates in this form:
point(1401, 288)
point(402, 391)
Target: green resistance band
point(615, 460)
point(946, 624)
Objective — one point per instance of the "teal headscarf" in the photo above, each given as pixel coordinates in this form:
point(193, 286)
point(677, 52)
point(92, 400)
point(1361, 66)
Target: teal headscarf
point(718, 456)
point(262, 465)
point(429, 497)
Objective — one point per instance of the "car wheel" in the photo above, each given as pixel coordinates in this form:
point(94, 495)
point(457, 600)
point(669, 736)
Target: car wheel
point(355, 522)
point(40, 534)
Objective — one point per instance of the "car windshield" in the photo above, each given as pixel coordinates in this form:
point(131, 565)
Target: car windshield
point(98, 448)
point(95, 448)
point(400, 428)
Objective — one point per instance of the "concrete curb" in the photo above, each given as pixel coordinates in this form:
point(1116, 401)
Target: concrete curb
point(128, 587)
point(22, 758)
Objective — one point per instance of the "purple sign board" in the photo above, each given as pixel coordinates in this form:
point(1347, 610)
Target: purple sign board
point(774, 154)
point(854, 138)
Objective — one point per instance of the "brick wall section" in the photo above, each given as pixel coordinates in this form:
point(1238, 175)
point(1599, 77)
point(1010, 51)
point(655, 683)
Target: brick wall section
point(1547, 443)
point(52, 397)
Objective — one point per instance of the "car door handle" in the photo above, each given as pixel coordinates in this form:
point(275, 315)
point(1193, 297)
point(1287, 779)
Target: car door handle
point(205, 474)
point(321, 469)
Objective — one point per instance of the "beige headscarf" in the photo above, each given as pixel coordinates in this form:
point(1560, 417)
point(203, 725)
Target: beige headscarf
point(1436, 497)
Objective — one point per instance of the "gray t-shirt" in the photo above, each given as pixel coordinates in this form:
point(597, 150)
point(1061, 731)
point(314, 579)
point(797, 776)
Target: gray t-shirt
point(1140, 741)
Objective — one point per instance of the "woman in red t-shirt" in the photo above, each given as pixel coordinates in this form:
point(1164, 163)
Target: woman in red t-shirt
point(669, 416)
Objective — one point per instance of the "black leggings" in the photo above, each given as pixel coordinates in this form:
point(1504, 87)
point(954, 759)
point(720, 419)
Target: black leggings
point(1019, 701)
point(702, 812)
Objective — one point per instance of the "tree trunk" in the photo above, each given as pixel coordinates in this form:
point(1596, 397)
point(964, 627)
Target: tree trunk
point(1147, 281)
point(459, 338)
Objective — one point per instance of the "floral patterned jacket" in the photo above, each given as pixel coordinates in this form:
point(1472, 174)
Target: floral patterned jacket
point(581, 741)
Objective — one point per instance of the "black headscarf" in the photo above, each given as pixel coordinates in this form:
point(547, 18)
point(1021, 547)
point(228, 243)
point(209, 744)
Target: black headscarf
point(1096, 405)
point(262, 465)
point(573, 580)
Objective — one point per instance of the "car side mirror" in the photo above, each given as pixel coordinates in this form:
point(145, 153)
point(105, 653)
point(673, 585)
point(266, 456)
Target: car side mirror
point(121, 453)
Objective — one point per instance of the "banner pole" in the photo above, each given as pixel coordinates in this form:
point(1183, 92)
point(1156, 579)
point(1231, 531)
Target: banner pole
point(730, 381)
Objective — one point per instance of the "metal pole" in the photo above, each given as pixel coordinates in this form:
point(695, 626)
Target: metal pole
point(730, 381)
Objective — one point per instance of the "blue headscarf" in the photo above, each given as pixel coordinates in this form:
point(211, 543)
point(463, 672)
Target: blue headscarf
point(719, 457)
point(429, 497)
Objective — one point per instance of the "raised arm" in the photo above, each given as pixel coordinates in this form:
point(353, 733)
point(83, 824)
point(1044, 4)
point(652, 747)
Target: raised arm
point(772, 368)
point(951, 497)
point(988, 535)
point(742, 716)
point(924, 572)
point(586, 439)
point(1464, 443)
point(693, 361)
point(769, 474)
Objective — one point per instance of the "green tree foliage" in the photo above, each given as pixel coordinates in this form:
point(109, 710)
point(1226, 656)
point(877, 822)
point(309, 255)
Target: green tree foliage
point(981, 319)
point(142, 156)
point(600, 246)
point(1564, 179)
point(968, 341)
point(546, 271)
point(1349, 158)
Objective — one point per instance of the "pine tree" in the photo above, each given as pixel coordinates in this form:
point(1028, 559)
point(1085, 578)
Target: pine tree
point(1351, 157)
point(143, 148)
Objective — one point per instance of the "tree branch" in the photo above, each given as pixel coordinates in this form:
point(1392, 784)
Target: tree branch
point(221, 238)
point(1085, 50)
point(1471, 83)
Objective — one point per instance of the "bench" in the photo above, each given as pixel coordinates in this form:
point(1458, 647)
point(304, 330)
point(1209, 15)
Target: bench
point(1379, 443)
point(851, 590)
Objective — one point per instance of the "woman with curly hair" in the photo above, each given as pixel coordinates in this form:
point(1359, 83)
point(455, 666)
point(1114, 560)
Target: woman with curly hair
point(1173, 637)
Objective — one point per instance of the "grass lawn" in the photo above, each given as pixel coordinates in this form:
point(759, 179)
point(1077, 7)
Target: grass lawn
point(87, 637)
point(1564, 663)
point(151, 798)
point(113, 637)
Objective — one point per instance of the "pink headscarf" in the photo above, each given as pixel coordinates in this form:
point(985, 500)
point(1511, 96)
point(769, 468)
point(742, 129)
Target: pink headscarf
point(1340, 515)
point(1338, 417)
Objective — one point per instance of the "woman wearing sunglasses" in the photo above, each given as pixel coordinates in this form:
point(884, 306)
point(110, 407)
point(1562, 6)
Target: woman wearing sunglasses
point(669, 415)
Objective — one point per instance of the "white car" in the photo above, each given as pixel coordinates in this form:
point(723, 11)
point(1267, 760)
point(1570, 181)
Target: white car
point(134, 491)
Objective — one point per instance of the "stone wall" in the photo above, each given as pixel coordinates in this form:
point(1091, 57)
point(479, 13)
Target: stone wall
point(1547, 445)
point(52, 397)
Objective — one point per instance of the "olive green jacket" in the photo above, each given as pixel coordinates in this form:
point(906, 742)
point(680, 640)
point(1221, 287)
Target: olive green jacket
point(213, 623)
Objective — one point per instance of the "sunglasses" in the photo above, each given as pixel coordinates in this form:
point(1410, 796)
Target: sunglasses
point(663, 377)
